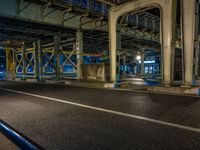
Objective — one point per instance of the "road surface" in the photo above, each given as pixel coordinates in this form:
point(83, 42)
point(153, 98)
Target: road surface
point(75, 118)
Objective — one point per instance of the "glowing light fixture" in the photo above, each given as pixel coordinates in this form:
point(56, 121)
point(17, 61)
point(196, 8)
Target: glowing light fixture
point(138, 57)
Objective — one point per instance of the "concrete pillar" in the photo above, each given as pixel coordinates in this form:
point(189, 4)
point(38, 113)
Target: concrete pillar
point(189, 17)
point(124, 63)
point(36, 60)
point(14, 62)
point(197, 42)
point(7, 61)
point(118, 38)
point(142, 63)
point(118, 63)
point(40, 68)
point(79, 51)
point(159, 66)
point(57, 54)
point(168, 28)
point(197, 53)
point(24, 61)
point(113, 54)
point(168, 22)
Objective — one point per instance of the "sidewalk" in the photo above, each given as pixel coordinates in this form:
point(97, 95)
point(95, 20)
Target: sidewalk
point(5, 144)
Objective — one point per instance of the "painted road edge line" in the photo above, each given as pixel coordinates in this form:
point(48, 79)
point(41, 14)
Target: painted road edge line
point(107, 111)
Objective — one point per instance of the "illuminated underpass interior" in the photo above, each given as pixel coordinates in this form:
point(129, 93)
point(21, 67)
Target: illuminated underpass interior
point(99, 74)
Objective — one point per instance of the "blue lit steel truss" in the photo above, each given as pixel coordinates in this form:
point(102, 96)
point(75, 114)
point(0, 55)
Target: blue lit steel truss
point(26, 63)
point(89, 5)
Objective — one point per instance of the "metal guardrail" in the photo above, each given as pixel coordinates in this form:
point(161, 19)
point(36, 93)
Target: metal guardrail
point(2, 75)
point(21, 141)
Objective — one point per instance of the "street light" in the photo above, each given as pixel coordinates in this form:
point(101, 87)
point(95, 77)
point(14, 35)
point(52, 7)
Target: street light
point(138, 57)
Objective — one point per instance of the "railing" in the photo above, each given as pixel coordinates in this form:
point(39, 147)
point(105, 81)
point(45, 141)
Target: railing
point(21, 141)
point(2, 75)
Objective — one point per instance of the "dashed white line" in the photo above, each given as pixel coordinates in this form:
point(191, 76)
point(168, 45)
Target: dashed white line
point(108, 111)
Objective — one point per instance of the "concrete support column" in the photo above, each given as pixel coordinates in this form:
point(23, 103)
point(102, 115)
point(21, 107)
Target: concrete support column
point(197, 42)
point(142, 63)
point(79, 51)
point(57, 54)
point(14, 62)
point(24, 61)
point(113, 54)
point(189, 16)
point(40, 69)
point(124, 59)
point(36, 60)
point(118, 38)
point(7, 62)
point(197, 53)
point(118, 62)
point(160, 66)
point(168, 29)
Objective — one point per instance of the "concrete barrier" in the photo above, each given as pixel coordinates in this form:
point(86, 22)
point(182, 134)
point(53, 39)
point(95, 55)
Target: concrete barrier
point(175, 90)
point(55, 81)
point(109, 85)
point(32, 80)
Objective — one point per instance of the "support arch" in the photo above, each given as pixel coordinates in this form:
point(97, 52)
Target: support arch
point(167, 32)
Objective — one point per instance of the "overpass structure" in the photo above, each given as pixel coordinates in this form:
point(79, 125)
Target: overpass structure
point(150, 49)
point(101, 40)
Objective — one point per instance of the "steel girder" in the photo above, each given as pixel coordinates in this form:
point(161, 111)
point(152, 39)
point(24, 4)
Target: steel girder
point(63, 5)
point(25, 62)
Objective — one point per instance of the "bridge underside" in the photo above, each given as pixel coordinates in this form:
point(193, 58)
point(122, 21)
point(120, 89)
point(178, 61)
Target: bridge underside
point(100, 41)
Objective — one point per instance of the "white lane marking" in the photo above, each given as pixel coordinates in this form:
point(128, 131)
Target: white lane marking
point(108, 111)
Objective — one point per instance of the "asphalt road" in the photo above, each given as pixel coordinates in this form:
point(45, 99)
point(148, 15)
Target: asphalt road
point(100, 119)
